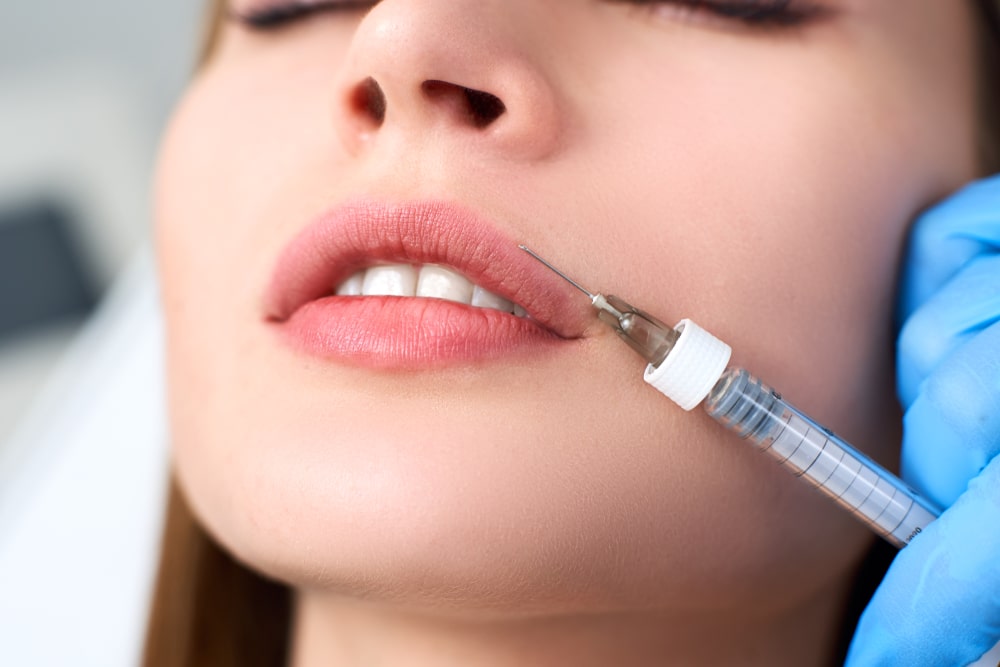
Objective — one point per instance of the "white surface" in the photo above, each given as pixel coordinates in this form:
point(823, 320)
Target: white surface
point(25, 362)
point(82, 489)
point(78, 134)
point(691, 368)
point(85, 88)
point(991, 659)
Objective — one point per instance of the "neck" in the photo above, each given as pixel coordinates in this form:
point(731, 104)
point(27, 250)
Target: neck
point(332, 631)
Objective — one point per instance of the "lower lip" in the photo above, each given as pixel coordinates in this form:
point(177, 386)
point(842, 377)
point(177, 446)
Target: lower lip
point(410, 333)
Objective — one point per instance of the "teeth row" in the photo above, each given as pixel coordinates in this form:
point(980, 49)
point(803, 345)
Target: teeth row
point(428, 280)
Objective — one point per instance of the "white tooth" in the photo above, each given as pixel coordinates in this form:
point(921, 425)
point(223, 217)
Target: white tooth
point(486, 299)
point(442, 283)
point(352, 286)
point(390, 280)
point(520, 312)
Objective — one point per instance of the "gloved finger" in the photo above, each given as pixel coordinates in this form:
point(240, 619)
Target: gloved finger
point(959, 310)
point(947, 236)
point(939, 603)
point(953, 428)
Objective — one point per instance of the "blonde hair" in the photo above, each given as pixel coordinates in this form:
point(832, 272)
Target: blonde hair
point(209, 610)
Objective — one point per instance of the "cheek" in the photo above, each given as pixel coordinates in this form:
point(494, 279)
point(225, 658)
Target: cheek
point(777, 220)
point(197, 236)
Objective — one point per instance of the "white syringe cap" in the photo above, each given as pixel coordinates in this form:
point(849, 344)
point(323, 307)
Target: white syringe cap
point(692, 367)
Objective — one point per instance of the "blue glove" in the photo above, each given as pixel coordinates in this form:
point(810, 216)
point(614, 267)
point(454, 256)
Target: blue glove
point(939, 604)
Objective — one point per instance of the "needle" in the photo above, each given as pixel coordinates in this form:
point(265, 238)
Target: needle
point(557, 271)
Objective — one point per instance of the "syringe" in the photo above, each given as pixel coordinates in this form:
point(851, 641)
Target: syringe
point(690, 366)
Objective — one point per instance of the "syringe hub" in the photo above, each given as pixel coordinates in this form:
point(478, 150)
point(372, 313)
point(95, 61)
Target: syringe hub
point(645, 334)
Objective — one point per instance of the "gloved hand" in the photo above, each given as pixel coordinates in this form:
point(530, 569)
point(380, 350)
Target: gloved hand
point(939, 603)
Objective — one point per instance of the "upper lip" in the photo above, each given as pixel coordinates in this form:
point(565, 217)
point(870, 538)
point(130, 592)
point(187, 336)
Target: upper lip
point(354, 236)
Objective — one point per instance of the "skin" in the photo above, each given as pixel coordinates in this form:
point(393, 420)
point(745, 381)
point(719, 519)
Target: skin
point(554, 509)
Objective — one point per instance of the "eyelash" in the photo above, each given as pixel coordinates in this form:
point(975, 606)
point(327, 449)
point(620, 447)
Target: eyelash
point(278, 15)
point(753, 13)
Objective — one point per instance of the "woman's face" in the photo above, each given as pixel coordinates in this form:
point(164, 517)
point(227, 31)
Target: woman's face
point(755, 176)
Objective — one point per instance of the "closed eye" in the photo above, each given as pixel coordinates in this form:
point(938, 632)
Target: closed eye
point(278, 15)
point(753, 13)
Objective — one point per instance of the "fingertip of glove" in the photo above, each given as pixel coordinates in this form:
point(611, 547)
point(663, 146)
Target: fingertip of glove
point(934, 458)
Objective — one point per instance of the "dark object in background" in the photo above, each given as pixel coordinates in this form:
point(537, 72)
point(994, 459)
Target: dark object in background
point(43, 276)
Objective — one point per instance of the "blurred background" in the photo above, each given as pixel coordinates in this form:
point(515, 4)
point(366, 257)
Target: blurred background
point(85, 88)
point(85, 91)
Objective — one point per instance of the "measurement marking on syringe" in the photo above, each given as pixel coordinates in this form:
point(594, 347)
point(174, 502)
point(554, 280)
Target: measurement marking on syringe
point(786, 429)
point(852, 494)
point(903, 514)
point(857, 508)
point(805, 465)
point(842, 476)
point(879, 499)
point(822, 456)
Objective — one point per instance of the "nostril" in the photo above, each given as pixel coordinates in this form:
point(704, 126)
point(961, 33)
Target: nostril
point(480, 108)
point(369, 100)
point(483, 107)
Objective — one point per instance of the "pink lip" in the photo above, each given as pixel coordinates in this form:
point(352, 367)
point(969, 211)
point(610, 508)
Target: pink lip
point(399, 332)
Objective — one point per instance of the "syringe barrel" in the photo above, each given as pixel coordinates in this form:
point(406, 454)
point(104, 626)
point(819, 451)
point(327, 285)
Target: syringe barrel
point(757, 413)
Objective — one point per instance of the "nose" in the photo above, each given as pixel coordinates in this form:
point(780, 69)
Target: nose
point(450, 70)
